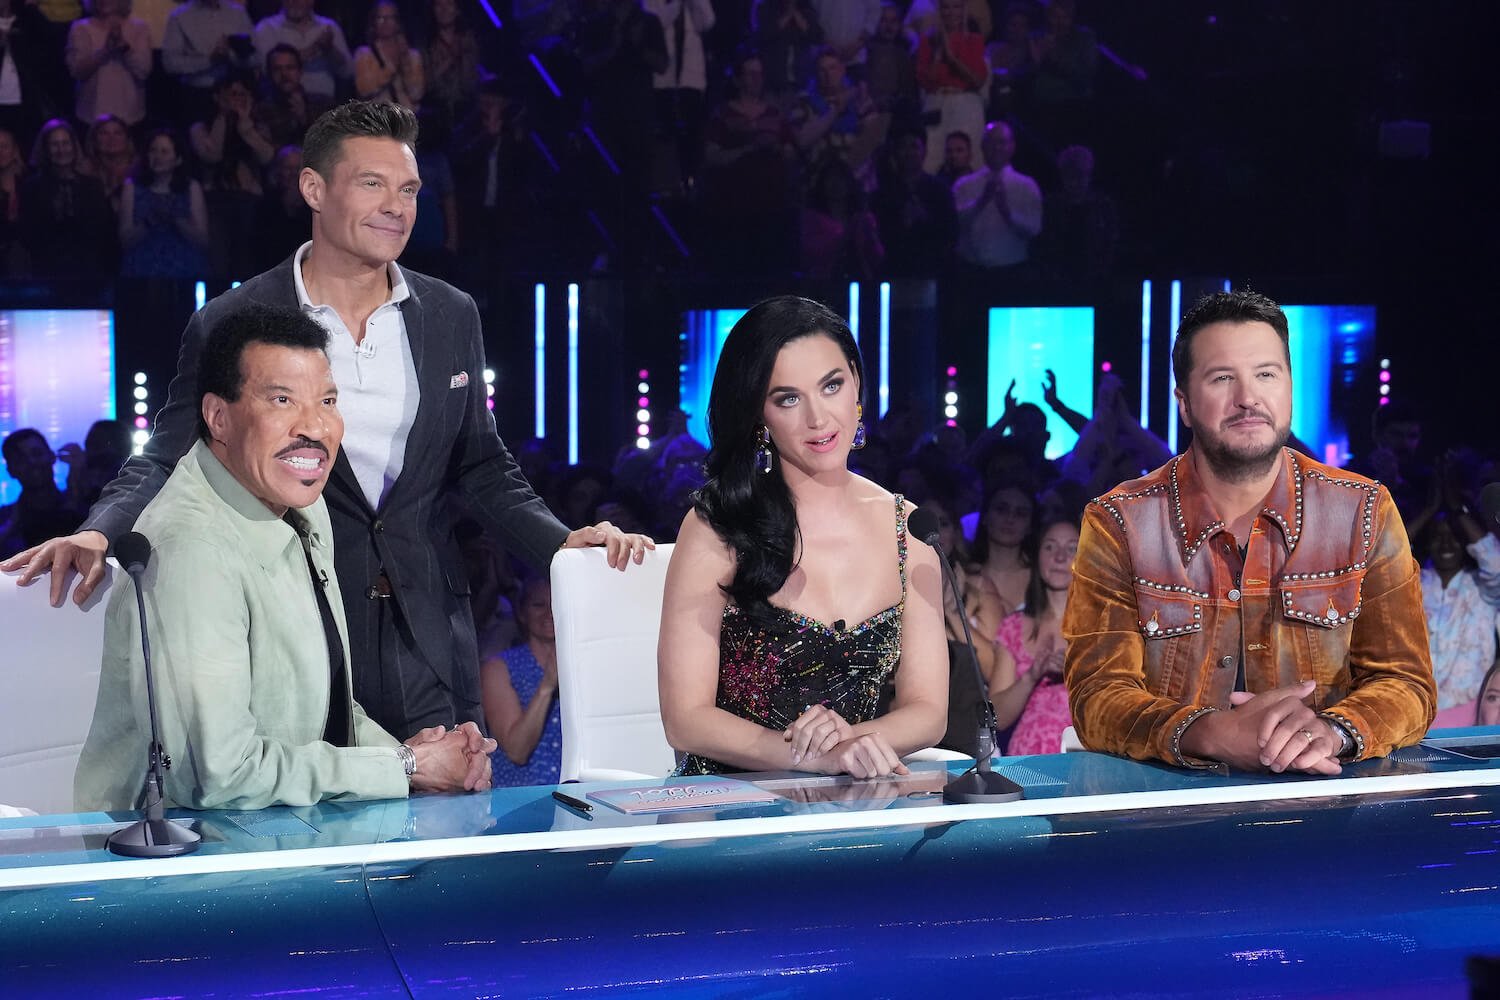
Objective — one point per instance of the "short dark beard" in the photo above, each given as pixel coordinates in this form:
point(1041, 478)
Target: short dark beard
point(1234, 466)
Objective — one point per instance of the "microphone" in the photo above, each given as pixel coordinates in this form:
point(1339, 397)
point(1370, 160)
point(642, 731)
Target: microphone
point(1489, 502)
point(979, 783)
point(153, 835)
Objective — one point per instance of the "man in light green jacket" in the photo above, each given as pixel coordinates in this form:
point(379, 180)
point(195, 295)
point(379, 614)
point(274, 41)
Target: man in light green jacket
point(249, 645)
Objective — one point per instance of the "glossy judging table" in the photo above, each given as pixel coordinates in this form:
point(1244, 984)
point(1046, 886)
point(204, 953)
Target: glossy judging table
point(1111, 878)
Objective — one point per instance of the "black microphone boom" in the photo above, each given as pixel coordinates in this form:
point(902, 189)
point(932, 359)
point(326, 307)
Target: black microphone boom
point(980, 783)
point(153, 835)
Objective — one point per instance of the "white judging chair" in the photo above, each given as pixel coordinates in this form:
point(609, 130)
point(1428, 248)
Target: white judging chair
point(607, 624)
point(51, 679)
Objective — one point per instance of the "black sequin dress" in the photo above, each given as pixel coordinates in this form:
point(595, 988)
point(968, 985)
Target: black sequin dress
point(771, 669)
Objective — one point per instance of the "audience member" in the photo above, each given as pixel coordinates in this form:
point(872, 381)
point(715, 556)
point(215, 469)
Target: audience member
point(489, 170)
point(283, 219)
point(787, 33)
point(41, 511)
point(288, 107)
point(836, 117)
point(451, 61)
point(386, 67)
point(1460, 594)
point(747, 186)
point(999, 209)
point(952, 72)
point(783, 539)
point(66, 222)
point(891, 68)
point(1083, 225)
point(322, 52)
point(1307, 565)
point(848, 26)
point(1066, 55)
point(679, 87)
point(520, 695)
point(110, 156)
point(1488, 711)
point(252, 662)
point(918, 225)
point(1011, 63)
point(24, 44)
point(13, 259)
point(958, 159)
point(621, 48)
point(233, 152)
point(1395, 457)
point(92, 467)
point(1113, 447)
point(205, 41)
point(1027, 682)
point(840, 238)
point(433, 242)
point(1001, 553)
point(925, 16)
point(163, 217)
point(109, 55)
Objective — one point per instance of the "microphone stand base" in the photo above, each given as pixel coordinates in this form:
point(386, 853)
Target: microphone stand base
point(982, 785)
point(153, 838)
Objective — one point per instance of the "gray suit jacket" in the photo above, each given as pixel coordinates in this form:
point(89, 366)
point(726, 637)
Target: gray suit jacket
point(453, 444)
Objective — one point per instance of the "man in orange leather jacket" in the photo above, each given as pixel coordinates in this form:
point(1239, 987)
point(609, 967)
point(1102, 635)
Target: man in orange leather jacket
point(1244, 605)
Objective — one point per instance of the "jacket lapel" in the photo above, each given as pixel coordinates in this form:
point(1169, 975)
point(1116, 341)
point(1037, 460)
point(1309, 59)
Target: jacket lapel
point(431, 386)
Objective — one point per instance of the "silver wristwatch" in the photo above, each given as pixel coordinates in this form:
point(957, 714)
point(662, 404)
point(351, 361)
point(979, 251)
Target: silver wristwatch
point(1346, 741)
point(408, 758)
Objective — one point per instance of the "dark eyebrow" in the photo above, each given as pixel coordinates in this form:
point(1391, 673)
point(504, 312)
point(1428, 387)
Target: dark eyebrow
point(835, 373)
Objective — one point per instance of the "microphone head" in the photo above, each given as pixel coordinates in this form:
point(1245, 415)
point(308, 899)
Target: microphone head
point(1489, 501)
point(923, 524)
point(133, 551)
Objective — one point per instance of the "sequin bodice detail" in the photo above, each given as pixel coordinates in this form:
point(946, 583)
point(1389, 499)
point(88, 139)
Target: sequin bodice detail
point(771, 668)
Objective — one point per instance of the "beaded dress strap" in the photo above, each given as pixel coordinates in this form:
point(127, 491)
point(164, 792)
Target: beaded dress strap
point(901, 544)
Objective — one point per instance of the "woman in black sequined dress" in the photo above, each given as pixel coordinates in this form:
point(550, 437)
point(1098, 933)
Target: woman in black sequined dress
point(793, 594)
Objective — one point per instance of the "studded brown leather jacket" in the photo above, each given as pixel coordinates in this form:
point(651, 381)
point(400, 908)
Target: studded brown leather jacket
point(1163, 610)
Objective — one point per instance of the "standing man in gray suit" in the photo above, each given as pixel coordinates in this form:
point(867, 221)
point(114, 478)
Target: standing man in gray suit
point(408, 356)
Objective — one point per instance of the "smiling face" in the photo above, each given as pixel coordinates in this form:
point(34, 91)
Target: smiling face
point(534, 612)
point(62, 149)
point(811, 406)
point(1237, 398)
point(111, 138)
point(280, 437)
point(365, 210)
point(1055, 555)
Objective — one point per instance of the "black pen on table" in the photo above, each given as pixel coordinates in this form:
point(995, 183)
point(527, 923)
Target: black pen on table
point(578, 805)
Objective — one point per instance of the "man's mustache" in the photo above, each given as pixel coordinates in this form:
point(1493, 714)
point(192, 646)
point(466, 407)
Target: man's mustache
point(300, 444)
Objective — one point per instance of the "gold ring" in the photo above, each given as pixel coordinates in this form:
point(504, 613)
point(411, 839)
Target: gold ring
point(1308, 734)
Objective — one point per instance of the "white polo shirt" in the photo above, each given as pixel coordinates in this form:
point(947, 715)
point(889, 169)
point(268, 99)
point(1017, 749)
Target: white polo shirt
point(377, 382)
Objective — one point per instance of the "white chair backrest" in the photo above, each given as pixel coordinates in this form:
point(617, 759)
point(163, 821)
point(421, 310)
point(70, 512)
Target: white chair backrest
point(607, 624)
point(49, 662)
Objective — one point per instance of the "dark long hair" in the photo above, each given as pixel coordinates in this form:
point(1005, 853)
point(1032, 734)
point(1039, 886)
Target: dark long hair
point(979, 549)
point(1036, 590)
point(142, 173)
point(753, 511)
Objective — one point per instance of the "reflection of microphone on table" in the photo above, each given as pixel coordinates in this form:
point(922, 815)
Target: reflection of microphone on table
point(153, 835)
point(979, 783)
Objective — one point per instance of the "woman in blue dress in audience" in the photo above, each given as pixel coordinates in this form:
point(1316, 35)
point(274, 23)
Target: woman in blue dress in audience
point(793, 594)
point(163, 217)
point(520, 695)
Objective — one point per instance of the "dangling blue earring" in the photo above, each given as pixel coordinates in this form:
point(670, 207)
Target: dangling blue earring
point(763, 453)
point(858, 441)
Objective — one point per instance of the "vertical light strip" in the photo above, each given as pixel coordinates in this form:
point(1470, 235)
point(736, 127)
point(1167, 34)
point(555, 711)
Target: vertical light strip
point(854, 309)
point(885, 347)
point(1146, 353)
point(1227, 287)
point(1171, 375)
point(572, 374)
point(200, 294)
point(540, 353)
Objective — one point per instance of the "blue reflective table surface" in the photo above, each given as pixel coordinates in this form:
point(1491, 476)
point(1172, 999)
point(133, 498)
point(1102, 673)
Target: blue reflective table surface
point(1111, 878)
